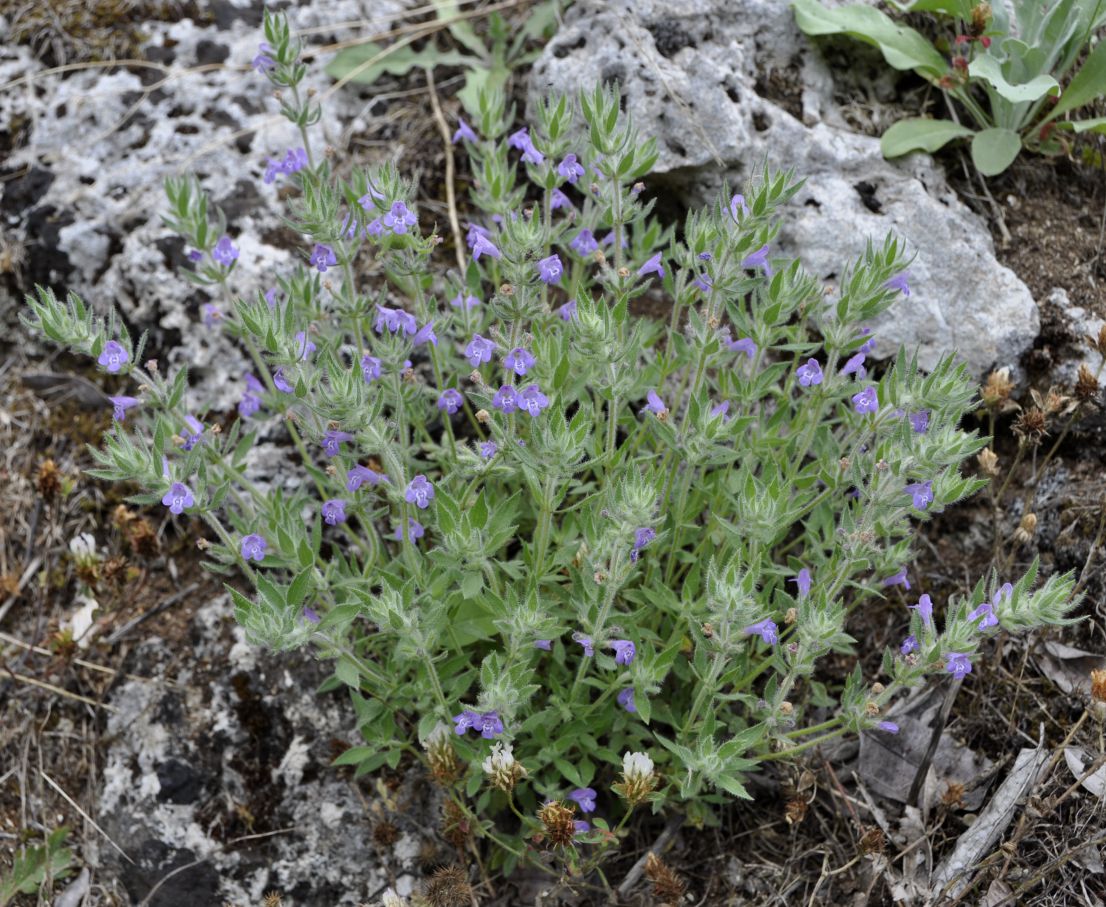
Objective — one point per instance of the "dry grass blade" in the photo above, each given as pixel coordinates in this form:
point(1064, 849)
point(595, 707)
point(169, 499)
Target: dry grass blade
point(450, 172)
point(54, 784)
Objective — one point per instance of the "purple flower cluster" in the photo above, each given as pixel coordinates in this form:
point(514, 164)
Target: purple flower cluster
point(530, 399)
point(295, 159)
point(394, 320)
point(361, 475)
point(522, 141)
point(642, 537)
point(487, 724)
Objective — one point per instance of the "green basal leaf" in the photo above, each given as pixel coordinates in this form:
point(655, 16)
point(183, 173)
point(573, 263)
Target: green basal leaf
point(919, 134)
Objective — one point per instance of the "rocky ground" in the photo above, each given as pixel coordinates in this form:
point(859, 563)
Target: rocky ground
point(193, 769)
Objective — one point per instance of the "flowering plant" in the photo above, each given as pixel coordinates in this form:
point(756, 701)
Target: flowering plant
point(542, 536)
point(1007, 63)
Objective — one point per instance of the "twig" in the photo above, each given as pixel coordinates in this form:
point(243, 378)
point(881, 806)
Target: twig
point(638, 868)
point(934, 739)
point(54, 784)
point(145, 902)
point(91, 665)
point(35, 682)
point(146, 615)
point(450, 193)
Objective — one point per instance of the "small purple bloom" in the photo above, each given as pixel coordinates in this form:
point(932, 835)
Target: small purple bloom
point(399, 219)
point(584, 797)
point(655, 404)
point(652, 266)
point(295, 159)
point(450, 400)
point(113, 356)
point(584, 243)
point(332, 441)
point(919, 421)
point(311, 615)
point(415, 531)
point(896, 579)
point(251, 399)
point(305, 346)
point(810, 373)
point(922, 493)
point(910, 644)
point(361, 475)
point(766, 629)
point(867, 401)
point(544, 644)
point(958, 664)
point(868, 344)
point(550, 269)
point(370, 368)
point(737, 203)
point(705, 256)
point(464, 132)
point(253, 548)
point(488, 449)
point(419, 492)
point(195, 255)
point(985, 614)
point(642, 537)
point(519, 139)
point(210, 314)
point(178, 498)
point(608, 240)
point(519, 360)
point(759, 259)
point(271, 297)
point(720, 409)
point(532, 156)
point(192, 431)
point(626, 700)
point(505, 399)
point(570, 169)
point(323, 257)
point(467, 719)
point(744, 345)
point(484, 246)
point(334, 511)
point(425, 333)
point(855, 365)
point(393, 320)
point(624, 651)
point(489, 725)
point(225, 252)
point(479, 350)
point(474, 231)
point(586, 642)
point(1005, 591)
point(466, 302)
point(803, 580)
point(704, 282)
point(900, 282)
point(120, 406)
point(567, 312)
point(924, 609)
point(558, 200)
point(889, 726)
point(532, 400)
point(263, 62)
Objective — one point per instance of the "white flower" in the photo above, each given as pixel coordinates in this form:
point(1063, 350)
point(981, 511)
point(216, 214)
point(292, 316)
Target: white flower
point(81, 621)
point(391, 899)
point(502, 768)
point(83, 549)
point(637, 766)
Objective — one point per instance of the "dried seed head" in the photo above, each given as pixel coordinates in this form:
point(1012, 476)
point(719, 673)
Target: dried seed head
point(877, 688)
point(872, 708)
point(786, 708)
point(953, 797)
point(1026, 528)
point(988, 462)
point(444, 766)
point(872, 840)
point(272, 899)
point(142, 538)
point(623, 273)
point(559, 823)
point(455, 825)
point(1031, 426)
point(600, 577)
point(203, 544)
point(1099, 342)
point(791, 615)
point(507, 290)
point(600, 258)
point(385, 833)
point(795, 810)
point(48, 480)
point(151, 366)
point(668, 888)
point(981, 16)
point(998, 387)
point(483, 416)
point(1086, 386)
point(449, 887)
point(331, 470)
point(1098, 685)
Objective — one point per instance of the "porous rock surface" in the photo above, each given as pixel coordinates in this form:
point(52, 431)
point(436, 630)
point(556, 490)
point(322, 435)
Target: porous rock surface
point(729, 85)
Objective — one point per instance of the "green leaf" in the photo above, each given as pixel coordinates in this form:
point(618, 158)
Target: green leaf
point(1096, 125)
point(346, 672)
point(1087, 84)
point(355, 755)
point(993, 150)
point(733, 786)
point(37, 864)
point(987, 68)
point(920, 134)
point(962, 9)
point(902, 47)
point(365, 63)
point(471, 584)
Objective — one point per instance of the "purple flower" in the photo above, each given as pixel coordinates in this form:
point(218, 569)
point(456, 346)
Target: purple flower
point(558, 200)
point(305, 346)
point(475, 231)
point(810, 373)
point(334, 511)
point(803, 581)
point(586, 642)
point(720, 409)
point(766, 629)
point(484, 246)
point(705, 256)
point(867, 401)
point(567, 311)
point(922, 492)
point(910, 644)
point(464, 132)
point(532, 156)
point(311, 615)
point(225, 252)
point(608, 240)
point(415, 531)
point(584, 797)
point(461, 301)
point(263, 62)
point(505, 399)
point(624, 651)
point(924, 609)
point(888, 726)
point(744, 345)
point(251, 399)
point(584, 243)
point(855, 365)
point(210, 314)
point(393, 320)
point(1005, 591)
point(398, 218)
point(737, 203)
point(369, 199)
point(450, 400)
point(704, 282)
point(332, 441)
point(570, 169)
point(271, 297)
point(550, 269)
point(195, 255)
point(519, 360)
point(113, 356)
point(253, 548)
point(900, 282)
point(519, 139)
point(544, 644)
point(642, 537)
point(323, 257)
point(178, 498)
point(759, 259)
point(479, 350)
point(896, 579)
point(655, 404)
point(958, 664)
point(425, 333)
point(419, 492)
point(626, 700)
point(370, 368)
point(120, 406)
point(193, 428)
point(919, 421)
point(361, 475)
point(295, 159)
point(532, 400)
point(985, 614)
point(488, 449)
point(652, 266)
point(467, 719)
point(489, 725)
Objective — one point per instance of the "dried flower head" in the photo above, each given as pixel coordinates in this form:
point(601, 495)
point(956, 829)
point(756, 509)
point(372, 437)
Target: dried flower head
point(1086, 386)
point(48, 480)
point(1026, 529)
point(444, 766)
point(668, 888)
point(872, 840)
point(385, 833)
point(981, 17)
point(449, 887)
point(953, 797)
point(1098, 685)
point(559, 822)
point(272, 899)
point(455, 825)
point(997, 388)
point(795, 810)
point(1098, 343)
point(1053, 402)
point(988, 462)
point(1031, 426)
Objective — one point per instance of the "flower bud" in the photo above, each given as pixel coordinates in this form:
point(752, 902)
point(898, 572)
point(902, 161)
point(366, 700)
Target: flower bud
point(1099, 342)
